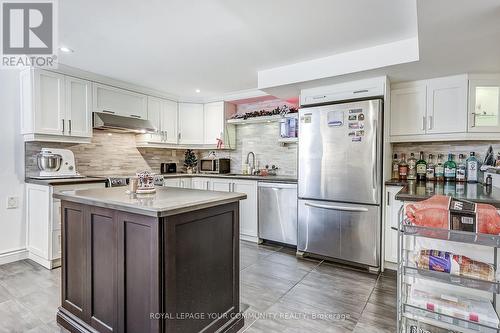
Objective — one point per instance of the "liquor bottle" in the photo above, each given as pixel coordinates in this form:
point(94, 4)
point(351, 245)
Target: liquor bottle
point(472, 164)
point(429, 173)
point(439, 169)
point(421, 167)
point(461, 169)
point(395, 167)
point(412, 171)
point(403, 168)
point(450, 169)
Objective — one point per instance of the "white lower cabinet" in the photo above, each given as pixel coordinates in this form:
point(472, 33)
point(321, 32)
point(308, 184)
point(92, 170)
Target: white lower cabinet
point(43, 216)
point(392, 207)
point(248, 209)
point(199, 183)
point(248, 206)
point(177, 182)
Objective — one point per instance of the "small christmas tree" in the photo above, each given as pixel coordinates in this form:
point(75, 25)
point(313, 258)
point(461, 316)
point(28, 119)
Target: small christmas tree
point(190, 160)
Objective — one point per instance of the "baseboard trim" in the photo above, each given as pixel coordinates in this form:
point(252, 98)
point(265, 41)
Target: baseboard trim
point(49, 264)
point(390, 266)
point(247, 238)
point(12, 256)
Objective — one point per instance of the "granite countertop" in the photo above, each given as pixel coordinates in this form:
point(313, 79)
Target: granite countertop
point(277, 179)
point(65, 181)
point(417, 191)
point(165, 202)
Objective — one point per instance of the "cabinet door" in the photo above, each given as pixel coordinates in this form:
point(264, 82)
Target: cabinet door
point(49, 103)
point(223, 185)
point(191, 123)
point(169, 121)
point(391, 221)
point(248, 207)
point(408, 110)
point(171, 182)
point(185, 182)
point(447, 105)
point(38, 202)
point(119, 101)
point(78, 107)
point(155, 117)
point(214, 122)
point(484, 106)
point(200, 183)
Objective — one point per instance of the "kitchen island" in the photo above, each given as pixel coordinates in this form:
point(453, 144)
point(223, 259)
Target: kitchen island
point(162, 262)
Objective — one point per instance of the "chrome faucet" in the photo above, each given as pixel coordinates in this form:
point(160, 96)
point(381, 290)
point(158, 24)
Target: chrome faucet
point(252, 168)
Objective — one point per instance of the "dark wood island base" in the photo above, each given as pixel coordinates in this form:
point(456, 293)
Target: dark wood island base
point(126, 272)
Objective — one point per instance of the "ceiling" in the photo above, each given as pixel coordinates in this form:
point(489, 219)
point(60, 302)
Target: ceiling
point(455, 36)
point(218, 46)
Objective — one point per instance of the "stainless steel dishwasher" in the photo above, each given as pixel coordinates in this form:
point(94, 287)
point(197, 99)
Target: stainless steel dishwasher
point(278, 212)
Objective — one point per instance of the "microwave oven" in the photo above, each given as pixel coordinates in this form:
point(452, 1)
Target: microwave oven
point(215, 165)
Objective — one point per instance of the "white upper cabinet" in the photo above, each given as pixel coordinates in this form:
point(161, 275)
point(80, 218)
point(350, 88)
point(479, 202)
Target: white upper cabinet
point(484, 105)
point(162, 114)
point(459, 107)
point(119, 101)
point(154, 116)
point(214, 122)
point(78, 107)
point(447, 105)
point(191, 123)
point(49, 103)
point(169, 121)
point(55, 107)
point(408, 109)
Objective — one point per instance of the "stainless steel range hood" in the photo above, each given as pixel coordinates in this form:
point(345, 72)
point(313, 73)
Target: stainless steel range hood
point(114, 123)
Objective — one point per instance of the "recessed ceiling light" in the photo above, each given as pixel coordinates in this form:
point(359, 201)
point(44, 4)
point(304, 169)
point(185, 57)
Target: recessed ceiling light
point(66, 49)
point(198, 91)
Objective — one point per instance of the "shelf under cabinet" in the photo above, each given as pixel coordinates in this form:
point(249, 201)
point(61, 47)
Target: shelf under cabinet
point(263, 119)
point(452, 235)
point(467, 282)
point(445, 321)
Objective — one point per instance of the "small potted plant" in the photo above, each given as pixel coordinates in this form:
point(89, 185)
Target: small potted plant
point(190, 160)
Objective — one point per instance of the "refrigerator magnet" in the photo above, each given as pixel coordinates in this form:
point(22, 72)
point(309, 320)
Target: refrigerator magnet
point(351, 134)
point(354, 125)
point(352, 117)
point(356, 139)
point(361, 116)
point(360, 133)
point(355, 111)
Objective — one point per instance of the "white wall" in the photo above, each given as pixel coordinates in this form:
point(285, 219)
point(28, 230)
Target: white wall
point(12, 224)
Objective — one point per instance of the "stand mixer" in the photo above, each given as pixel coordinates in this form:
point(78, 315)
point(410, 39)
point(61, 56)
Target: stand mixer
point(56, 163)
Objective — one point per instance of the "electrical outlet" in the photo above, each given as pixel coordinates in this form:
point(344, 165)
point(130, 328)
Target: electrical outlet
point(12, 202)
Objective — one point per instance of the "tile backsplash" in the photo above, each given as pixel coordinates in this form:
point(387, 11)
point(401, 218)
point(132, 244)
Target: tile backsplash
point(262, 139)
point(454, 147)
point(117, 154)
point(108, 155)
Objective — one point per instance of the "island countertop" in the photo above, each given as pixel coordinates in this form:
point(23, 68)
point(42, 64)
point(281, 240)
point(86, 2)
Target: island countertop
point(417, 191)
point(166, 201)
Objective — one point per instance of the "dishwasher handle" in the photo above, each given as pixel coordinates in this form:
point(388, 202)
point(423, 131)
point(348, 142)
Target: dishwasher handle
point(342, 208)
point(278, 185)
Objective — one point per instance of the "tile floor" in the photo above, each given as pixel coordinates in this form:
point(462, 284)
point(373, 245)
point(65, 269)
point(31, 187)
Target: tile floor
point(280, 294)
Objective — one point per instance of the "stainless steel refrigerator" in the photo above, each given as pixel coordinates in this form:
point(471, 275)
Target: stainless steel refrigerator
point(340, 177)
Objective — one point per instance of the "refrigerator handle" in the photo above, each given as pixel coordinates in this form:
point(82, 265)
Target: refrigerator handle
point(342, 208)
point(375, 156)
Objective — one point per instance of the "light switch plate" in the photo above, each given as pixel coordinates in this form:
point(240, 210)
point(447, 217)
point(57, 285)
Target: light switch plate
point(12, 202)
